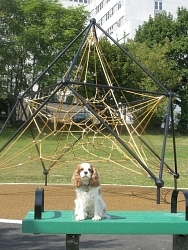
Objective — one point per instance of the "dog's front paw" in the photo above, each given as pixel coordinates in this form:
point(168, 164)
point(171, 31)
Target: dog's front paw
point(96, 217)
point(79, 218)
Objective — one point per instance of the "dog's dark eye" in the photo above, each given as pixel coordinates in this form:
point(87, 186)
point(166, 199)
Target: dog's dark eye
point(90, 170)
point(81, 169)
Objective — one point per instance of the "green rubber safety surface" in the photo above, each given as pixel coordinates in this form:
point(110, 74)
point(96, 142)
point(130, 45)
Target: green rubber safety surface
point(120, 222)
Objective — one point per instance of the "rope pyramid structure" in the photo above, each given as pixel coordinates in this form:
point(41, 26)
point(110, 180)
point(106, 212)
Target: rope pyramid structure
point(93, 120)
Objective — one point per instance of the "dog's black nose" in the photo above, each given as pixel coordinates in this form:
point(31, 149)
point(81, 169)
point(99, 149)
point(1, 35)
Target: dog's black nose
point(85, 172)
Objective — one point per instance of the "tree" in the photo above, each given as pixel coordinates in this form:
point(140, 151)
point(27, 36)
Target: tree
point(153, 58)
point(32, 33)
point(156, 30)
point(164, 29)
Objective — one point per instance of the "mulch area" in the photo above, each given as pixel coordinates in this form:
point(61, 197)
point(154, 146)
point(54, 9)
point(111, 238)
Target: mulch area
point(17, 199)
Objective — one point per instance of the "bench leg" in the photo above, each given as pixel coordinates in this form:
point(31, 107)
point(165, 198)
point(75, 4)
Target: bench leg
point(72, 242)
point(180, 242)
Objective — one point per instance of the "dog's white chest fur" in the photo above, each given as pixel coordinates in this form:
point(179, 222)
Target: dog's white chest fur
point(89, 203)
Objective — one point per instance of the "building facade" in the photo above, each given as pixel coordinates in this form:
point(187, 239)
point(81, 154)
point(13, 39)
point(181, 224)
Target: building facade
point(68, 3)
point(121, 18)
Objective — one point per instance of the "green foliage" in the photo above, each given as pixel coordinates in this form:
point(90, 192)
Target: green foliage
point(156, 30)
point(32, 33)
point(167, 31)
point(154, 59)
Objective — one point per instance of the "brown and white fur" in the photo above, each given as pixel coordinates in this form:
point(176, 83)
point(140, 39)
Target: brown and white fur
point(89, 202)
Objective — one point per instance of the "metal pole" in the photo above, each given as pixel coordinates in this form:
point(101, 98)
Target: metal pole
point(112, 132)
point(133, 59)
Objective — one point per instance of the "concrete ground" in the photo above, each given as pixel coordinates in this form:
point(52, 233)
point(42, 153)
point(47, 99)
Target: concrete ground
point(11, 238)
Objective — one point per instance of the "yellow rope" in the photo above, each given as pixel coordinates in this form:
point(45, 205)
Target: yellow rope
point(100, 142)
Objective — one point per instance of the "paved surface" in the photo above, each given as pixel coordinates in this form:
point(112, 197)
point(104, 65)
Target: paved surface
point(11, 238)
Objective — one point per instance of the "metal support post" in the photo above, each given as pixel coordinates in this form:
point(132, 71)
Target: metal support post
point(180, 242)
point(72, 241)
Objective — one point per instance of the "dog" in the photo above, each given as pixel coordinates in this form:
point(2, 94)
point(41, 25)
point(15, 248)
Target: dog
point(89, 202)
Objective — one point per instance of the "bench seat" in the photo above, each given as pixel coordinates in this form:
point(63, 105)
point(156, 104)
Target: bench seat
point(121, 222)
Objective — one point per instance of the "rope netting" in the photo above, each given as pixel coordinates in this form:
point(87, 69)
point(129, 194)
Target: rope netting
point(88, 123)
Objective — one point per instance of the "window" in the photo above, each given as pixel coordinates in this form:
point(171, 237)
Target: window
point(158, 5)
point(119, 5)
point(111, 30)
point(111, 12)
point(101, 5)
point(118, 23)
point(107, 16)
point(97, 9)
point(100, 22)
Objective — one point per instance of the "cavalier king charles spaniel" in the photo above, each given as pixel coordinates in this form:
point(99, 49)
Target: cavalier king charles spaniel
point(89, 202)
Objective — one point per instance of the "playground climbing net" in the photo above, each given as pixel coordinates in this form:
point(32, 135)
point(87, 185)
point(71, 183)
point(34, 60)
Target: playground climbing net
point(93, 120)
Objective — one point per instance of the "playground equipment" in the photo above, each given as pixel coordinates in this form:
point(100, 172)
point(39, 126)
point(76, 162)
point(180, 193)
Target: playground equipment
point(90, 117)
point(89, 120)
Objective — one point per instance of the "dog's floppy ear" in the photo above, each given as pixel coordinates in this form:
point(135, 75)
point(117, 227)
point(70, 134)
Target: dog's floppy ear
point(94, 181)
point(76, 179)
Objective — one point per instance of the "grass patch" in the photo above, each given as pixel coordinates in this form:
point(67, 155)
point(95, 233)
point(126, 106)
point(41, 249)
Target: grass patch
point(20, 161)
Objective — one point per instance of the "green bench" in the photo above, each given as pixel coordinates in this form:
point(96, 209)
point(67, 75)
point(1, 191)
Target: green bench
point(175, 223)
